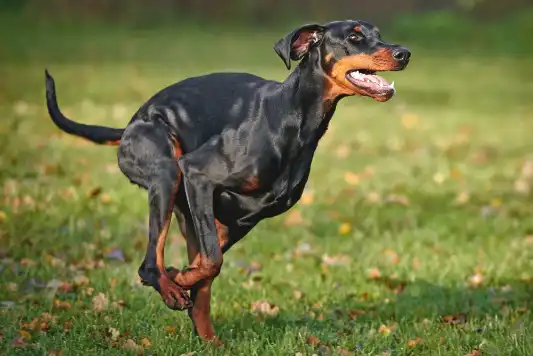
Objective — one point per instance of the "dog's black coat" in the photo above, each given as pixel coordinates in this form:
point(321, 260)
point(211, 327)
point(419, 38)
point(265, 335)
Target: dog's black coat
point(242, 145)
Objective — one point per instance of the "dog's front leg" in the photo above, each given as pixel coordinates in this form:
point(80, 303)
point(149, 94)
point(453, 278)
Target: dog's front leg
point(199, 185)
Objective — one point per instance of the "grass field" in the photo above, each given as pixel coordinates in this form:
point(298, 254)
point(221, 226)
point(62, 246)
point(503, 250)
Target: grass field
point(414, 237)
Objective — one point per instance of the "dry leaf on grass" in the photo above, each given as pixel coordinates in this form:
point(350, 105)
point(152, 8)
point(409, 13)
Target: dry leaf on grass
point(475, 280)
point(351, 178)
point(475, 352)
point(455, 319)
point(410, 121)
point(307, 198)
point(263, 307)
point(342, 151)
point(414, 342)
point(313, 340)
point(80, 280)
point(146, 343)
point(62, 304)
point(374, 273)
point(386, 330)
point(131, 345)
point(294, 218)
point(26, 335)
point(344, 352)
point(100, 302)
point(113, 333)
point(392, 256)
point(345, 228)
point(338, 260)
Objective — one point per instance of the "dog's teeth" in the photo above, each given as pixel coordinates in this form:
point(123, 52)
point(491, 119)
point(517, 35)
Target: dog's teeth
point(392, 85)
point(356, 75)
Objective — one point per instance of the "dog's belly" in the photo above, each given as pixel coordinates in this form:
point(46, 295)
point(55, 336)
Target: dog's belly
point(247, 210)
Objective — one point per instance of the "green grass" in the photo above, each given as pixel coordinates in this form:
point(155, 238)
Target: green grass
point(437, 204)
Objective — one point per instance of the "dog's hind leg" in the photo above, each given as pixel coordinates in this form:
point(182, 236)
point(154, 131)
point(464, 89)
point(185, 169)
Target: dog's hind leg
point(147, 156)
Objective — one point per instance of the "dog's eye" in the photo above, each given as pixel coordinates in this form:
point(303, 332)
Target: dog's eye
point(355, 38)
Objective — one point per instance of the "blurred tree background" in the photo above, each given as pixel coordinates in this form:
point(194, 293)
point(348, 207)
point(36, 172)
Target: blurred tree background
point(259, 12)
point(434, 24)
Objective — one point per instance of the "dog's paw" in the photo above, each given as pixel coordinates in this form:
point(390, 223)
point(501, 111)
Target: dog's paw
point(175, 297)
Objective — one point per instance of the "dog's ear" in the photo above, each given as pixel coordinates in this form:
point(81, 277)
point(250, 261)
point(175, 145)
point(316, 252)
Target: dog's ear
point(298, 43)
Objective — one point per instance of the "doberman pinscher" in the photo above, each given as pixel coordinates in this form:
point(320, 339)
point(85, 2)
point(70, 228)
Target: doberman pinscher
point(225, 150)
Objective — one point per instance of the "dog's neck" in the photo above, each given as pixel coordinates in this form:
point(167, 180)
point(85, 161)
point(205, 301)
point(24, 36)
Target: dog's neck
point(303, 91)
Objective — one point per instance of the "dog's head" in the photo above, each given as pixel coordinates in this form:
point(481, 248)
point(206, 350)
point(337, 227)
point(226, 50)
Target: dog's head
point(348, 53)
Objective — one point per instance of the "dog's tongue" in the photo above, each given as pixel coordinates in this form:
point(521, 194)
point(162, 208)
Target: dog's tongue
point(371, 79)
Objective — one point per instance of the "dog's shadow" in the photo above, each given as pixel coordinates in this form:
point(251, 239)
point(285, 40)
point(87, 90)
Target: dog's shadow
point(419, 301)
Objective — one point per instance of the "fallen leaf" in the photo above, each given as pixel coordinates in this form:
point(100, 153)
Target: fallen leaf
point(455, 319)
point(307, 198)
point(439, 178)
point(80, 280)
point(351, 178)
point(26, 335)
point(355, 313)
point(462, 198)
point(385, 330)
point(119, 304)
point(343, 151)
point(475, 352)
point(373, 198)
point(113, 333)
point(131, 345)
point(100, 302)
point(374, 273)
point(344, 352)
point(263, 307)
point(398, 199)
point(496, 203)
point(475, 280)
point(521, 186)
point(313, 340)
point(105, 198)
point(297, 294)
point(62, 304)
point(146, 343)
point(294, 218)
point(345, 228)
point(67, 325)
point(303, 249)
point(55, 353)
point(413, 343)
point(338, 260)
point(410, 121)
point(455, 173)
point(392, 255)
point(94, 192)
point(54, 261)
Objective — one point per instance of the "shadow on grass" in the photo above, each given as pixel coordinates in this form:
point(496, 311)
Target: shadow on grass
point(420, 302)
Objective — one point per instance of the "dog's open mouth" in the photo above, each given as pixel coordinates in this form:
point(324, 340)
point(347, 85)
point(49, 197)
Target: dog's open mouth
point(372, 84)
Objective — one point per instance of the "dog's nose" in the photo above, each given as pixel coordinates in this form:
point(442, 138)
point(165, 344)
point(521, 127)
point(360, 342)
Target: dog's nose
point(401, 54)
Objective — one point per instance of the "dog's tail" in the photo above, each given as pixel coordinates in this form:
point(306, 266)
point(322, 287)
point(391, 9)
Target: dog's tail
point(98, 134)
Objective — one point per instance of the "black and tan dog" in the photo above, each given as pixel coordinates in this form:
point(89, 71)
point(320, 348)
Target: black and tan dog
point(224, 151)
